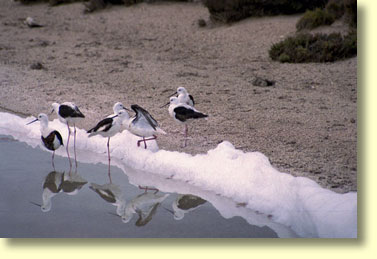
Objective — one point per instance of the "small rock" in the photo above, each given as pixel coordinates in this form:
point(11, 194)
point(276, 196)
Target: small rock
point(37, 66)
point(258, 81)
point(202, 23)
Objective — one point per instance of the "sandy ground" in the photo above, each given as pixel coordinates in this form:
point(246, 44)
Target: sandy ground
point(306, 123)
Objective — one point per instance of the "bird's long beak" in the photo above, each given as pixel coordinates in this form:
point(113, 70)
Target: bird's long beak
point(52, 111)
point(165, 105)
point(172, 212)
point(112, 213)
point(31, 122)
point(173, 94)
point(36, 204)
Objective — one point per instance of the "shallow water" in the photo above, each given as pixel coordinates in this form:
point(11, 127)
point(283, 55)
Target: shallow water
point(83, 213)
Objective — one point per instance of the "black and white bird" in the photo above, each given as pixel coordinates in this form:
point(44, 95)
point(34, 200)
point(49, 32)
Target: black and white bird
point(51, 138)
point(143, 125)
point(108, 128)
point(68, 113)
point(29, 21)
point(184, 113)
point(184, 96)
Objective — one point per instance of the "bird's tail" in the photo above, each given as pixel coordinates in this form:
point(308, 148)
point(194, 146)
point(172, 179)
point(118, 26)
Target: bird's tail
point(198, 115)
point(91, 132)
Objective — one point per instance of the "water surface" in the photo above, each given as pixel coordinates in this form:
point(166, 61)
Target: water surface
point(76, 210)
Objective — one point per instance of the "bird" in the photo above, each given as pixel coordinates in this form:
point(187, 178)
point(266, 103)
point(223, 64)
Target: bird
point(143, 125)
point(108, 128)
point(29, 21)
point(184, 96)
point(68, 113)
point(185, 203)
point(51, 138)
point(183, 114)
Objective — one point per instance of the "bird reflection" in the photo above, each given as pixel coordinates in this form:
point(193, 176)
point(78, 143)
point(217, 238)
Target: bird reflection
point(56, 182)
point(184, 204)
point(111, 193)
point(145, 206)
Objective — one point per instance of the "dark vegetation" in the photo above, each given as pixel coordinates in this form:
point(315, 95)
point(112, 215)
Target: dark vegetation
point(314, 19)
point(51, 2)
point(306, 47)
point(234, 10)
point(92, 5)
point(334, 9)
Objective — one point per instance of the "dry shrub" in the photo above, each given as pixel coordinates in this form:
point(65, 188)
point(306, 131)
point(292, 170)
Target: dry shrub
point(314, 19)
point(305, 47)
point(350, 7)
point(335, 8)
point(235, 10)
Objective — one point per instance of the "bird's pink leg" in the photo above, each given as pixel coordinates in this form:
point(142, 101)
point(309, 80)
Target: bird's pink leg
point(69, 158)
point(53, 155)
point(146, 188)
point(145, 141)
point(108, 154)
point(186, 133)
point(74, 143)
point(152, 138)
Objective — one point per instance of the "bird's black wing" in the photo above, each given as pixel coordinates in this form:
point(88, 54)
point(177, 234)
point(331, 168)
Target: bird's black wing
point(103, 125)
point(183, 114)
point(145, 217)
point(187, 202)
point(71, 186)
point(142, 112)
point(78, 113)
point(49, 141)
point(50, 182)
point(106, 194)
point(67, 111)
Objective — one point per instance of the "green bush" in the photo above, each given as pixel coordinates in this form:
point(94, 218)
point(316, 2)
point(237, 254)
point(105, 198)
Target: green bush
point(305, 47)
point(314, 19)
point(235, 10)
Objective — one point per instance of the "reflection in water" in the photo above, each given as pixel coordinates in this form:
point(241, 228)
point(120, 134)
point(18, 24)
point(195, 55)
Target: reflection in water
point(56, 182)
point(145, 205)
point(184, 204)
point(215, 210)
point(111, 193)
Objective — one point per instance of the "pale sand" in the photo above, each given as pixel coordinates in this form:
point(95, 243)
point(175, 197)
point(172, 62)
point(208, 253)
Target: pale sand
point(306, 123)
